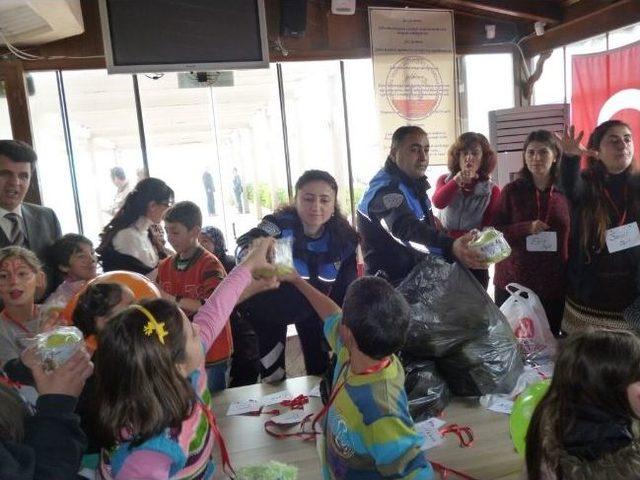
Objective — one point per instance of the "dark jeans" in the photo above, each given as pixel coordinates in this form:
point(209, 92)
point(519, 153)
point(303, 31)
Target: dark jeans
point(245, 361)
point(554, 308)
point(269, 314)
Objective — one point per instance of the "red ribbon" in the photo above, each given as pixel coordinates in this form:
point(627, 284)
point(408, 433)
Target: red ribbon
point(444, 471)
point(464, 434)
point(224, 453)
point(622, 216)
point(296, 403)
point(539, 204)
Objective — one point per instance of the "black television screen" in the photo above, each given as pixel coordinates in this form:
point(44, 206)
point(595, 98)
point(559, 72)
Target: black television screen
point(183, 35)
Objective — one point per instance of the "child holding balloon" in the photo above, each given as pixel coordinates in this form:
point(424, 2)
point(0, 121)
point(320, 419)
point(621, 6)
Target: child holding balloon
point(586, 425)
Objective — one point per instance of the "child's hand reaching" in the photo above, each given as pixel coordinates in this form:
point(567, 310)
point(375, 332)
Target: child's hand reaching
point(257, 260)
point(52, 320)
point(292, 276)
point(259, 285)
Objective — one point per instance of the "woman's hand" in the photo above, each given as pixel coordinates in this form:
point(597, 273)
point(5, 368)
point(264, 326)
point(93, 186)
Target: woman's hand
point(465, 177)
point(570, 143)
point(538, 226)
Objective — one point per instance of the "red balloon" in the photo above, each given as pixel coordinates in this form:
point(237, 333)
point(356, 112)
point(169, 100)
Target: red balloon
point(140, 285)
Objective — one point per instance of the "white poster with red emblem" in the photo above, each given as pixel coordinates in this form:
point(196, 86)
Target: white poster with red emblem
point(413, 55)
point(606, 86)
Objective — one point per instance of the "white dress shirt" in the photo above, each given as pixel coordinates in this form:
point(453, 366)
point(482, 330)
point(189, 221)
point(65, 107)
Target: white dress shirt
point(134, 240)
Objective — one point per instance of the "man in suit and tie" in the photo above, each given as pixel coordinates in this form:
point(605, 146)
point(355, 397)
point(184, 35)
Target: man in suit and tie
point(23, 224)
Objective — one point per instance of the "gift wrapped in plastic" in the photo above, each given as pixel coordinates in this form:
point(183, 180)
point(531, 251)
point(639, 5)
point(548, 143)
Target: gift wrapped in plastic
point(427, 392)
point(491, 244)
point(281, 257)
point(57, 345)
point(455, 323)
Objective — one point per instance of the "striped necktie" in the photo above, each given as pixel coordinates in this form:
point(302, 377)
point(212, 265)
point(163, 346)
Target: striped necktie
point(16, 235)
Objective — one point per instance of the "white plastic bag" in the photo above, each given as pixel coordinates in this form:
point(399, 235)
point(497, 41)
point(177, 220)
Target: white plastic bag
point(529, 323)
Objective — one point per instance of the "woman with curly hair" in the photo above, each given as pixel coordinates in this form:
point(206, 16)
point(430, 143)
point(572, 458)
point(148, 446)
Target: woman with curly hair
point(466, 196)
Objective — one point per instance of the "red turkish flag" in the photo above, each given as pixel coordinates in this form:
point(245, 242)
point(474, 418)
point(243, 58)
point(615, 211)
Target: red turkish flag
point(606, 85)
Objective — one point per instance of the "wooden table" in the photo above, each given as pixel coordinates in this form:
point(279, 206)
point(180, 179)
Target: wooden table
point(490, 457)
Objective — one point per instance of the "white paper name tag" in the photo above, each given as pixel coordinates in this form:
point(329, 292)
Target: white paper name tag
point(542, 242)
point(622, 238)
point(274, 398)
point(502, 405)
point(246, 406)
point(290, 418)
point(315, 391)
point(428, 429)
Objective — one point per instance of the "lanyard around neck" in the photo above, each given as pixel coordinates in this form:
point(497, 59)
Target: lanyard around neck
point(17, 323)
point(622, 217)
point(539, 204)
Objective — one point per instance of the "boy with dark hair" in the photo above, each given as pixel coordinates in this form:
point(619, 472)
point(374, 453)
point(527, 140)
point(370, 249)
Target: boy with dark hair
point(368, 430)
point(189, 277)
point(73, 262)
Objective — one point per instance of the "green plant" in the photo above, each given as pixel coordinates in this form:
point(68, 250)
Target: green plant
point(249, 191)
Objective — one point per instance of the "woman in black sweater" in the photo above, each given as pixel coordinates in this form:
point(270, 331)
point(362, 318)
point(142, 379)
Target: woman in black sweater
point(604, 250)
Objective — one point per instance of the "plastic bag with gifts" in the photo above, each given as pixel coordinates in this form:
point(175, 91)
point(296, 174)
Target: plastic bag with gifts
point(529, 323)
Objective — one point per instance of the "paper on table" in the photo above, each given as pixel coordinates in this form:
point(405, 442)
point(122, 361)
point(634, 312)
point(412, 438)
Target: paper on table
point(315, 391)
point(501, 405)
point(246, 406)
point(274, 398)
point(428, 429)
point(290, 418)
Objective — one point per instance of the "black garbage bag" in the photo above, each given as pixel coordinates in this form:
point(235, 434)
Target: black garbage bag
point(455, 322)
point(491, 363)
point(427, 392)
point(448, 308)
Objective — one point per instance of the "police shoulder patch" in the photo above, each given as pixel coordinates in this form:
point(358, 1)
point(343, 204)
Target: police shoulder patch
point(392, 200)
point(269, 228)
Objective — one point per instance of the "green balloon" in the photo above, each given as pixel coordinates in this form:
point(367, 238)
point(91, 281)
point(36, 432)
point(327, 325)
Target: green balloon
point(522, 412)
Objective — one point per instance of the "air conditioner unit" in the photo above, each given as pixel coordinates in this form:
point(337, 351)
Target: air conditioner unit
point(34, 22)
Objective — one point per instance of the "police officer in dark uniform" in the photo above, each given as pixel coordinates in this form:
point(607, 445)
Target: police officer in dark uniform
point(395, 218)
point(324, 253)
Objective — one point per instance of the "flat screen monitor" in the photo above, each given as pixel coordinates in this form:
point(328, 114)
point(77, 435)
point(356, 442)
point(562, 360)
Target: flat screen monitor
point(183, 35)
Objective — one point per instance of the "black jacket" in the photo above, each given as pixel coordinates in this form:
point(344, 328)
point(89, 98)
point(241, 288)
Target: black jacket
point(287, 303)
point(601, 280)
point(391, 229)
point(53, 444)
